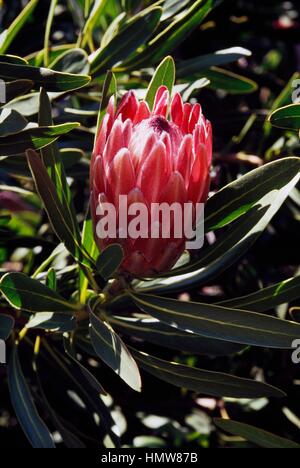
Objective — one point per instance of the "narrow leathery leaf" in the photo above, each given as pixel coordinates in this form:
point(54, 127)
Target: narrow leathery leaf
point(228, 81)
point(89, 244)
point(170, 37)
point(203, 381)
point(221, 57)
point(14, 59)
point(240, 195)
point(109, 260)
point(287, 117)
point(153, 331)
point(11, 122)
point(17, 88)
point(53, 4)
point(56, 322)
point(113, 352)
point(69, 349)
point(6, 325)
point(34, 428)
point(29, 294)
point(53, 162)
point(214, 321)
point(51, 279)
point(33, 138)
point(28, 104)
point(75, 61)
point(9, 34)
point(49, 79)
point(254, 434)
point(164, 76)
point(54, 208)
point(109, 89)
point(267, 298)
point(92, 19)
point(136, 32)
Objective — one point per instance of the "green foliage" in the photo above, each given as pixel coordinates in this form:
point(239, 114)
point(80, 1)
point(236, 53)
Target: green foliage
point(64, 309)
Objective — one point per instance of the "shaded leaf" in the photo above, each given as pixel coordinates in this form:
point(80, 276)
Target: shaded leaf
point(49, 79)
point(11, 122)
point(203, 381)
point(254, 434)
point(8, 35)
point(35, 138)
point(135, 33)
point(267, 298)
point(34, 428)
point(113, 352)
point(54, 208)
point(210, 320)
point(152, 330)
point(29, 294)
point(109, 260)
point(6, 325)
point(203, 62)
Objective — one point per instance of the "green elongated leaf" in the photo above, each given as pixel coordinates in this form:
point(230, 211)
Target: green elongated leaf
point(6, 325)
point(49, 79)
point(29, 294)
point(170, 37)
point(54, 208)
point(11, 122)
point(185, 68)
point(214, 321)
point(151, 330)
point(50, 17)
point(164, 75)
point(35, 138)
point(240, 196)
point(34, 428)
point(113, 352)
point(89, 244)
point(282, 100)
point(203, 381)
point(17, 88)
point(28, 104)
point(51, 279)
point(70, 440)
point(287, 117)
point(254, 434)
point(93, 382)
point(14, 59)
point(52, 160)
point(92, 19)
point(172, 7)
point(267, 298)
point(228, 81)
point(109, 89)
point(9, 34)
point(52, 321)
point(109, 260)
point(135, 33)
point(75, 61)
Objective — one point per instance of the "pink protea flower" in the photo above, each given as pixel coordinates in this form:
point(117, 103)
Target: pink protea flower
point(151, 158)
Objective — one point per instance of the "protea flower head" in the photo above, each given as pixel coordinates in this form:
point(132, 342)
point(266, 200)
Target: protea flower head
point(152, 158)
